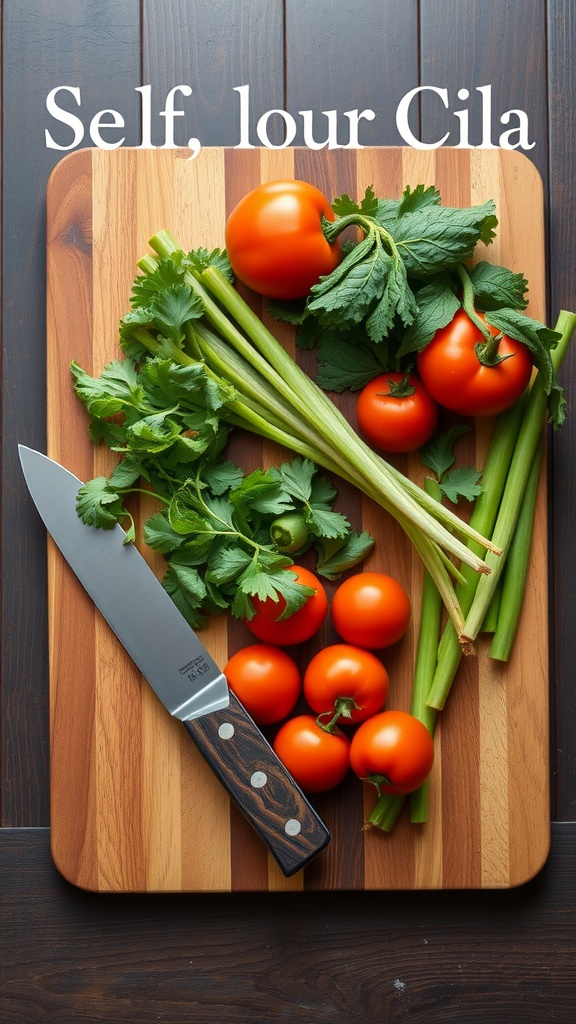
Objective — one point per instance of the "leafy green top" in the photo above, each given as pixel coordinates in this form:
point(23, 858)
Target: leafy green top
point(403, 281)
point(166, 421)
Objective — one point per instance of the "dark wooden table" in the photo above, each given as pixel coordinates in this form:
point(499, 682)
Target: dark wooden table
point(65, 955)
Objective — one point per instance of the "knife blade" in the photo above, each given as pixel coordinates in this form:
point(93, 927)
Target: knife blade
point(174, 661)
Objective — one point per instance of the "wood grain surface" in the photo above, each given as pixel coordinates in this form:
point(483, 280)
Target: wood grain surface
point(133, 806)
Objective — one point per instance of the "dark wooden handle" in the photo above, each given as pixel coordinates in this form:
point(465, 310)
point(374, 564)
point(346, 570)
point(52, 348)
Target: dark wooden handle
point(258, 782)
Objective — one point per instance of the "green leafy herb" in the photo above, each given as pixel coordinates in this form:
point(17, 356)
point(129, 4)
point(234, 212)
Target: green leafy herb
point(369, 285)
point(432, 238)
point(437, 306)
point(339, 554)
point(346, 364)
point(99, 504)
point(214, 523)
point(344, 206)
point(414, 238)
point(438, 455)
point(497, 287)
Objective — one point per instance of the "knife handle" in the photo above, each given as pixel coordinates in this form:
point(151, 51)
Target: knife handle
point(258, 782)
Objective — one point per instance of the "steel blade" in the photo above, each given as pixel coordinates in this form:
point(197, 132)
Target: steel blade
point(125, 590)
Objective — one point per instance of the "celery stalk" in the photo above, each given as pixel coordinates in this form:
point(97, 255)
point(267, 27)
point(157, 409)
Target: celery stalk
point(426, 657)
point(384, 814)
point(513, 580)
point(388, 806)
point(483, 516)
point(491, 617)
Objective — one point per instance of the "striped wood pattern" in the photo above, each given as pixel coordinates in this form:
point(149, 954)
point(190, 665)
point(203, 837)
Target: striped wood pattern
point(133, 807)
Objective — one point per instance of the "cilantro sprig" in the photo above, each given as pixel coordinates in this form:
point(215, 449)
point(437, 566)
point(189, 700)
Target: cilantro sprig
point(215, 526)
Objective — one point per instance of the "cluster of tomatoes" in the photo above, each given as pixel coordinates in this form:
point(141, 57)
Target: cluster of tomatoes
point(398, 412)
point(345, 686)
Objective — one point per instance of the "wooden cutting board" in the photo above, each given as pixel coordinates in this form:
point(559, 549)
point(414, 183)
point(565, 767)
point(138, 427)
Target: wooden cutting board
point(133, 806)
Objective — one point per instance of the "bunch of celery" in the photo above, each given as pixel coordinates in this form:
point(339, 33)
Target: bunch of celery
point(505, 512)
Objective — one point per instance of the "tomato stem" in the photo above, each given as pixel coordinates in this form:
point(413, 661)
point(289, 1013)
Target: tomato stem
point(398, 389)
point(343, 708)
point(379, 781)
point(487, 350)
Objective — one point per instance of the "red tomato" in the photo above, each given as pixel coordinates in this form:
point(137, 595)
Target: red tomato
point(394, 750)
point(266, 681)
point(453, 374)
point(396, 413)
point(346, 677)
point(299, 626)
point(275, 242)
point(371, 609)
point(318, 760)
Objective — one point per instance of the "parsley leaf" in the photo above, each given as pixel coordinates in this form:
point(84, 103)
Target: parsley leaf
point(230, 563)
point(266, 583)
point(297, 477)
point(222, 476)
point(343, 206)
point(172, 308)
point(326, 522)
point(200, 259)
point(461, 483)
point(99, 505)
point(118, 386)
point(160, 535)
point(188, 591)
point(167, 272)
point(438, 455)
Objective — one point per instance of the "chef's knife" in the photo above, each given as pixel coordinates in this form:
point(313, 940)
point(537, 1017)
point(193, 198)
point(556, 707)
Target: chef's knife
point(178, 667)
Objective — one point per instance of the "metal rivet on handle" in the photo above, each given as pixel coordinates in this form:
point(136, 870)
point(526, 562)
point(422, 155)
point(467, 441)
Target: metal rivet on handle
point(258, 779)
point(226, 731)
point(292, 827)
